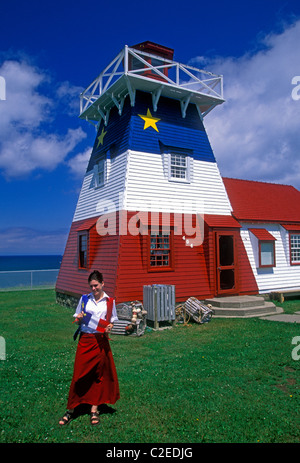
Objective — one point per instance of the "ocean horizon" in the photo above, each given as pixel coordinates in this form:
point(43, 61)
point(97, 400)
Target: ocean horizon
point(11, 263)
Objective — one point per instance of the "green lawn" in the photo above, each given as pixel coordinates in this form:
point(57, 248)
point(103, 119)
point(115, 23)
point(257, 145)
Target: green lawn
point(225, 381)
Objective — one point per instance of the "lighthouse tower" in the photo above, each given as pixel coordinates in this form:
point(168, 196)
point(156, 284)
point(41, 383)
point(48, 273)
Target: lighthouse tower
point(153, 208)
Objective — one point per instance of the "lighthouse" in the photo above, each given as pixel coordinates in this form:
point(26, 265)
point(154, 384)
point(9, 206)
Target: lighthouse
point(153, 208)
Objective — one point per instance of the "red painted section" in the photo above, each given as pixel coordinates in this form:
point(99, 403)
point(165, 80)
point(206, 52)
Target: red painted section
point(103, 256)
point(124, 261)
point(246, 283)
point(291, 227)
point(262, 234)
point(223, 221)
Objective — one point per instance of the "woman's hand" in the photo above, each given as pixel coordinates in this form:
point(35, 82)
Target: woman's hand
point(79, 318)
point(109, 328)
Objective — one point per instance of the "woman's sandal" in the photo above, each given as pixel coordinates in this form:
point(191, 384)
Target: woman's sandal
point(94, 418)
point(66, 418)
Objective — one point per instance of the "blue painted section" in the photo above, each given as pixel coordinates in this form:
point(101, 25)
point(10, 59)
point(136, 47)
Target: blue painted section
point(127, 131)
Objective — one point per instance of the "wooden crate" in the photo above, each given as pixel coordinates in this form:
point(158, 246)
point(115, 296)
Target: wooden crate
point(159, 302)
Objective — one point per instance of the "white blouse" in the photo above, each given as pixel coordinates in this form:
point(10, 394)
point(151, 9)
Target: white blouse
point(97, 308)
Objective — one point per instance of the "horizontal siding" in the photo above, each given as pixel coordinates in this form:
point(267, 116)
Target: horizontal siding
point(149, 189)
point(283, 275)
point(190, 274)
point(123, 262)
point(246, 280)
point(103, 257)
point(89, 196)
point(126, 131)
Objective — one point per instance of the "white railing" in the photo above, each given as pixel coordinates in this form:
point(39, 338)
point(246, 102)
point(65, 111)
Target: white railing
point(17, 280)
point(179, 75)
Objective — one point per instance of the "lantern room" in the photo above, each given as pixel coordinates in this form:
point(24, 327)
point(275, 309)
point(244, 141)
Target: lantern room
point(157, 56)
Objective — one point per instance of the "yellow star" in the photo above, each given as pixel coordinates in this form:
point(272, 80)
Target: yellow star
point(100, 138)
point(149, 120)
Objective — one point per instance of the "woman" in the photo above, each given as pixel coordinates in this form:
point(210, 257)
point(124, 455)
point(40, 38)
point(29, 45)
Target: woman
point(95, 378)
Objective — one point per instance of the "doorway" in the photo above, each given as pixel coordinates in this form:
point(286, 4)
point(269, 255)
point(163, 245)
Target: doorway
point(226, 263)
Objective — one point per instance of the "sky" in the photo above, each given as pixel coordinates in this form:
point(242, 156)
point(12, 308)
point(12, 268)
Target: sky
point(50, 51)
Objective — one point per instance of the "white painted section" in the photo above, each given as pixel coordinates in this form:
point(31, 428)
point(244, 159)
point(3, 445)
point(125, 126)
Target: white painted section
point(91, 198)
point(283, 275)
point(137, 181)
point(148, 187)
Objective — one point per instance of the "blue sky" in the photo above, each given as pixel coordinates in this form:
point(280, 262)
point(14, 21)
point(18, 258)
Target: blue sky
point(51, 51)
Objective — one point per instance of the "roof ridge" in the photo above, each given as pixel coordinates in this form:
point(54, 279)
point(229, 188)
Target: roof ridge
point(259, 181)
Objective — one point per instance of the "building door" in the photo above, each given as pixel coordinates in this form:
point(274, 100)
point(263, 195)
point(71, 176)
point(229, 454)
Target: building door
point(226, 263)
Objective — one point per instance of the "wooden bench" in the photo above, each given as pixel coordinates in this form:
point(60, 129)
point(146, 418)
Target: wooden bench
point(281, 294)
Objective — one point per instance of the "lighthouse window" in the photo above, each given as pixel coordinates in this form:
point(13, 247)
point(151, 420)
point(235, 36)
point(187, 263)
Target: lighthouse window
point(83, 248)
point(160, 251)
point(100, 173)
point(179, 167)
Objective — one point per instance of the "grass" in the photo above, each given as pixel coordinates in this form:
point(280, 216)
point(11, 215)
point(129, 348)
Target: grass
point(231, 381)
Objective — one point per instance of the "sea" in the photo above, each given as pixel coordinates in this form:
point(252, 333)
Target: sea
point(45, 262)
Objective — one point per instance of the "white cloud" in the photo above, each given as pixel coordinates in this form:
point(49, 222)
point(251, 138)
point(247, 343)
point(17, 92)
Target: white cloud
point(255, 134)
point(26, 143)
point(69, 96)
point(78, 163)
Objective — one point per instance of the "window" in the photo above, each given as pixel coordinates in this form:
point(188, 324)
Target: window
point(179, 167)
point(178, 163)
point(99, 173)
point(135, 64)
point(295, 248)
point(266, 254)
point(83, 250)
point(266, 247)
point(160, 252)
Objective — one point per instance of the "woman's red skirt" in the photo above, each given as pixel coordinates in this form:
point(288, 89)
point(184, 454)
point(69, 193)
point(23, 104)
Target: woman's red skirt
point(95, 380)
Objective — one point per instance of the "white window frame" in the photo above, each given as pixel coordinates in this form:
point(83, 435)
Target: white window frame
point(101, 172)
point(186, 169)
point(295, 248)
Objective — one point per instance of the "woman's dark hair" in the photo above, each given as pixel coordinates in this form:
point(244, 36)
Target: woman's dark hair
point(95, 275)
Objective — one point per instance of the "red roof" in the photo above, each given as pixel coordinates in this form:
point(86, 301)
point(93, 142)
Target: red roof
point(291, 227)
point(262, 234)
point(87, 223)
point(226, 221)
point(264, 202)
